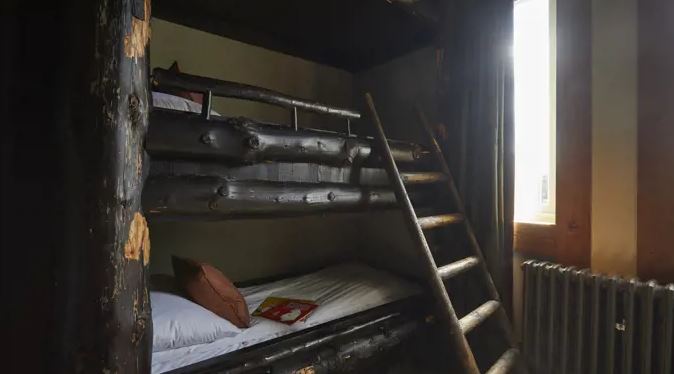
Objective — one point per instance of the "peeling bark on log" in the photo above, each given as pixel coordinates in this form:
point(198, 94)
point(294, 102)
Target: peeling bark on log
point(105, 311)
point(74, 240)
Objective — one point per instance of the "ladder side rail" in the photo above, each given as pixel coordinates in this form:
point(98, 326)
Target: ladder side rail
point(472, 239)
point(456, 335)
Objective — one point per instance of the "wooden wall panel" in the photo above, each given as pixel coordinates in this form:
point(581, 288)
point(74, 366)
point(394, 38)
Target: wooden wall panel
point(614, 137)
point(537, 241)
point(655, 197)
point(574, 132)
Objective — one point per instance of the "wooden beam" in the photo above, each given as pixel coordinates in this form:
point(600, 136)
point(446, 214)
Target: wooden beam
point(222, 88)
point(213, 198)
point(186, 135)
point(103, 311)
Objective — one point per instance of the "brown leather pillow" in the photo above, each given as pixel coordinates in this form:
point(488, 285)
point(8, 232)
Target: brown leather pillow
point(208, 287)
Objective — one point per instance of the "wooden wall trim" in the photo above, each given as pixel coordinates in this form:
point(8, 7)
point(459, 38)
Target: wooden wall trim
point(569, 241)
point(655, 196)
point(614, 137)
point(538, 241)
point(574, 132)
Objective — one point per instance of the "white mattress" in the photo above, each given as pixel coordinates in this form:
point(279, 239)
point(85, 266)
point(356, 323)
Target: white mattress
point(340, 291)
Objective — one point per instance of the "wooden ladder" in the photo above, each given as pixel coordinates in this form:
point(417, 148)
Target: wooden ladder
point(457, 328)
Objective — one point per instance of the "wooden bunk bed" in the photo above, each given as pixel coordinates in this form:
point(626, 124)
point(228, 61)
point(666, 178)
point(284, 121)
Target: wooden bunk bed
point(91, 269)
point(207, 166)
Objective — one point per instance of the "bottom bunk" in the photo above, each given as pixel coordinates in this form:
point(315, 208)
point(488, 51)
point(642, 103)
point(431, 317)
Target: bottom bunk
point(363, 314)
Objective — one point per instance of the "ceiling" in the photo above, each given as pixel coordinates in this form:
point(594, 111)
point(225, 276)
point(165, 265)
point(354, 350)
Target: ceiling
point(353, 35)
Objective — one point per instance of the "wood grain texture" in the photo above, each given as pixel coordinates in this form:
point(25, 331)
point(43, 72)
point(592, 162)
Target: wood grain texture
point(574, 132)
point(614, 137)
point(105, 312)
point(537, 241)
point(655, 197)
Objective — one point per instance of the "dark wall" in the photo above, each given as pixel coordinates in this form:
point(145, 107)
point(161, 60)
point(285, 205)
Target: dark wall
point(32, 179)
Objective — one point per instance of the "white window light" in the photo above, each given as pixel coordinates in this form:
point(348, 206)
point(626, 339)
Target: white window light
point(534, 61)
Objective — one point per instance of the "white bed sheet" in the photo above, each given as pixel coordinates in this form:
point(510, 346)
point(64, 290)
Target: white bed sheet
point(167, 101)
point(340, 291)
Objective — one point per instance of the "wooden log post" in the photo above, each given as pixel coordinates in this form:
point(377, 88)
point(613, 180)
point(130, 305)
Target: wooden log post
point(105, 313)
point(75, 247)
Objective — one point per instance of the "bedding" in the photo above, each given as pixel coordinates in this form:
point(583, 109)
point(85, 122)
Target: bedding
point(208, 287)
point(178, 322)
point(340, 291)
point(168, 101)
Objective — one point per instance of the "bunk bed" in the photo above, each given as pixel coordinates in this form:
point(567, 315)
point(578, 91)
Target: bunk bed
point(360, 307)
point(91, 263)
point(207, 166)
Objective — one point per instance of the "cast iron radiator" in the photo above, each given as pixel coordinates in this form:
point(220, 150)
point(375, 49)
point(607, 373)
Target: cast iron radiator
point(579, 322)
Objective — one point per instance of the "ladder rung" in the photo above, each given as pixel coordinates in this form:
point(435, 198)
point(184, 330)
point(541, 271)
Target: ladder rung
point(423, 177)
point(476, 317)
point(432, 222)
point(505, 363)
point(457, 267)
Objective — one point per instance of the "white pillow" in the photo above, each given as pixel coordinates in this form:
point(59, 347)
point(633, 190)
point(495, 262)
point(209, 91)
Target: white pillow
point(178, 322)
point(167, 101)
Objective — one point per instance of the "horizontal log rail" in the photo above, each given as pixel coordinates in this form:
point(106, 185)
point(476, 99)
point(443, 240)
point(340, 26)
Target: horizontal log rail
point(222, 88)
point(186, 135)
point(300, 172)
point(214, 198)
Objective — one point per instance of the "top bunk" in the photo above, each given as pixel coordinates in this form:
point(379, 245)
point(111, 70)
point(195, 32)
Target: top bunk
point(207, 166)
point(352, 35)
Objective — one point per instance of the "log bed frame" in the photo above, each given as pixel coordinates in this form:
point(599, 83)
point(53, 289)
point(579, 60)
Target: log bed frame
point(82, 165)
point(79, 159)
point(212, 167)
point(350, 344)
point(224, 162)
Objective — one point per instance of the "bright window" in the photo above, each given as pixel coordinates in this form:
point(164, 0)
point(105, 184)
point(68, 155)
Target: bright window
point(534, 54)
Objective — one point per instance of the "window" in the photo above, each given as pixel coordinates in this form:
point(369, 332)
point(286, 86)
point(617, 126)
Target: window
point(534, 60)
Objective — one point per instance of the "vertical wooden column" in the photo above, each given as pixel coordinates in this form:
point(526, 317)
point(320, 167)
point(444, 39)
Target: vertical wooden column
point(655, 199)
point(103, 308)
point(614, 137)
point(74, 246)
point(574, 132)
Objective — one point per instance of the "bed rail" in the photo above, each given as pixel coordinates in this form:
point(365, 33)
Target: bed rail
point(222, 88)
point(339, 346)
point(217, 198)
point(187, 135)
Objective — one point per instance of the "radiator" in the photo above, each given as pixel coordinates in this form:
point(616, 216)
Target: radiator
point(578, 322)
